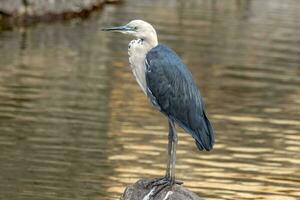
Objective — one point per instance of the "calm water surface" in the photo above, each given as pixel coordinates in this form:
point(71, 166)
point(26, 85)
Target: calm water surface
point(75, 125)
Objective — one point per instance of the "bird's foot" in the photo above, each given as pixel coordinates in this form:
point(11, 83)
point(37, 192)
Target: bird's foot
point(162, 181)
point(160, 184)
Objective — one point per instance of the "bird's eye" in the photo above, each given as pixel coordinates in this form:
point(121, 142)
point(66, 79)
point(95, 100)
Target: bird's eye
point(135, 28)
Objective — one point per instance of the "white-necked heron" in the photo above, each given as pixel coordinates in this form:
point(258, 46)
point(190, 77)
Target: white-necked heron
point(171, 89)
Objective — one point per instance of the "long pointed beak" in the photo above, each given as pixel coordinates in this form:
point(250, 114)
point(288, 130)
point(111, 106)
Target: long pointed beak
point(118, 28)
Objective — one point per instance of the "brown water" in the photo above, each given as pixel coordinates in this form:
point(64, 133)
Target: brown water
point(75, 125)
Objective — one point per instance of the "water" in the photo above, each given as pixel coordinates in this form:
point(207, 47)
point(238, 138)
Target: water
point(75, 125)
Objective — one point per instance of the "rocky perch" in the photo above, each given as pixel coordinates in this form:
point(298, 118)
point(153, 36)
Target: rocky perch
point(23, 12)
point(138, 191)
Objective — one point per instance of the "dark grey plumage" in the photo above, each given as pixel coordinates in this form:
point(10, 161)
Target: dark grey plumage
point(173, 91)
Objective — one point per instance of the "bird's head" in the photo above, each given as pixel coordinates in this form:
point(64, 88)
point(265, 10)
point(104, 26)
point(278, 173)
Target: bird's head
point(138, 29)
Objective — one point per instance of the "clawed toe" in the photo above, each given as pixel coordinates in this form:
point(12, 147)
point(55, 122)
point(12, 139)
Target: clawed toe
point(160, 184)
point(159, 189)
point(154, 182)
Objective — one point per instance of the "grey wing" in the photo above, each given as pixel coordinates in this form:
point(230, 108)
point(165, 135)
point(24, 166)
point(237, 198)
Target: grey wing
point(172, 90)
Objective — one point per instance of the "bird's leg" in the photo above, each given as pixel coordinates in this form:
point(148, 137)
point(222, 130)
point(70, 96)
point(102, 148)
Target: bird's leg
point(170, 141)
point(173, 158)
point(169, 179)
point(166, 178)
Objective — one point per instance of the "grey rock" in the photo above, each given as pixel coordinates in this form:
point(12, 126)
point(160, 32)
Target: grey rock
point(39, 8)
point(139, 191)
point(12, 7)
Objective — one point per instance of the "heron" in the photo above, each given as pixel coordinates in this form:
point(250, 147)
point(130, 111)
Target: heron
point(171, 89)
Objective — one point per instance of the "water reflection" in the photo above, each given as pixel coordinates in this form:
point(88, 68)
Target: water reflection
point(74, 124)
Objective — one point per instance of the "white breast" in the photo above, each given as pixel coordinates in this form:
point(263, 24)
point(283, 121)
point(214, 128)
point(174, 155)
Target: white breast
point(137, 51)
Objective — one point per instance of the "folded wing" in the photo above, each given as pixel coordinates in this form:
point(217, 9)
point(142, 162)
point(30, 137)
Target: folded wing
point(172, 90)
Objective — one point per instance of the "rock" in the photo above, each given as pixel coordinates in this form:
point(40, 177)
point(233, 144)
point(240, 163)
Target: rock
point(39, 8)
point(12, 7)
point(138, 191)
point(19, 12)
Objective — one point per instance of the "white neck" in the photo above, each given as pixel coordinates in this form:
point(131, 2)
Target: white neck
point(151, 41)
point(137, 51)
point(149, 44)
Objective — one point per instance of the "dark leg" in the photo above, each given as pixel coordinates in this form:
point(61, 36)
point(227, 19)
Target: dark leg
point(169, 179)
point(170, 139)
point(163, 180)
point(173, 158)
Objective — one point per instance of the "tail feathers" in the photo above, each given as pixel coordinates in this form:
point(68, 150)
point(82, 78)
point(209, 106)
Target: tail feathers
point(204, 136)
